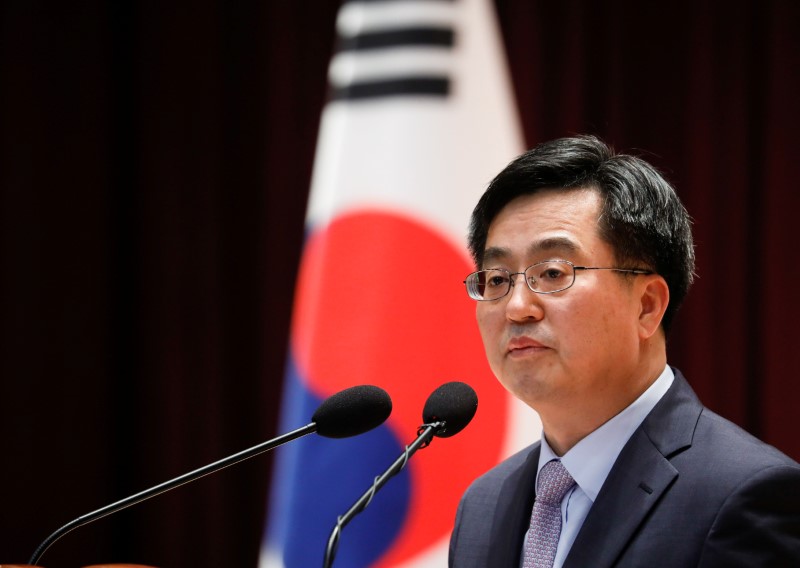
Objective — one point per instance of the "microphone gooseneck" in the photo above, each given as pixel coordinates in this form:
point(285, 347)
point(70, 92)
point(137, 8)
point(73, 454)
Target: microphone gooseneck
point(347, 413)
point(447, 411)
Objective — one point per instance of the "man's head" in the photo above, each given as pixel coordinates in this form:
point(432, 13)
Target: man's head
point(641, 217)
point(583, 257)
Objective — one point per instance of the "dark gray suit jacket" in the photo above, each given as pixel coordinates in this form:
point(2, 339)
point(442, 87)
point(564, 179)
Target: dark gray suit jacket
point(688, 489)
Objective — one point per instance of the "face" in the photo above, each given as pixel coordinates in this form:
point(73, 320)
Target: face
point(571, 346)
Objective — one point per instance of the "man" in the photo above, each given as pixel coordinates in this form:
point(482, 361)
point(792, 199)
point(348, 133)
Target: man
point(584, 257)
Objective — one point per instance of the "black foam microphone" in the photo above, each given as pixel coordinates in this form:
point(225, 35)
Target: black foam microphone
point(454, 404)
point(347, 413)
point(351, 412)
point(447, 411)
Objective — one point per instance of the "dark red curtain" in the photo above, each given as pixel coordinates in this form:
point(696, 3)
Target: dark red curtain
point(154, 166)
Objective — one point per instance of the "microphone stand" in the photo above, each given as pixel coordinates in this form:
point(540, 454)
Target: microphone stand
point(171, 484)
point(425, 434)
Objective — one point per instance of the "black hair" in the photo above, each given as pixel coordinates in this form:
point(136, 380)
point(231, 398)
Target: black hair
point(642, 217)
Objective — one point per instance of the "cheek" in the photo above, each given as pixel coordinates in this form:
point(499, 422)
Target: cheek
point(481, 317)
point(489, 327)
point(602, 324)
point(586, 325)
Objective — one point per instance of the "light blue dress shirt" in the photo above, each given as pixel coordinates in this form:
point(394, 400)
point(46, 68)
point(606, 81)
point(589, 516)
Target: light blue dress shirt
point(590, 460)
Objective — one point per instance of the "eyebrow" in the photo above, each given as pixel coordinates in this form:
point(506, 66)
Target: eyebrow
point(550, 244)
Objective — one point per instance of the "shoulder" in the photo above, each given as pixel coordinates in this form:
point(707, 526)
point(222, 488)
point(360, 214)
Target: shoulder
point(758, 520)
point(501, 489)
point(708, 450)
point(493, 511)
point(728, 450)
point(744, 493)
point(491, 481)
point(736, 470)
point(712, 423)
point(688, 434)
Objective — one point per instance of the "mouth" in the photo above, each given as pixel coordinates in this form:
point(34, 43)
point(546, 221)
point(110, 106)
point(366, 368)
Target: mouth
point(522, 346)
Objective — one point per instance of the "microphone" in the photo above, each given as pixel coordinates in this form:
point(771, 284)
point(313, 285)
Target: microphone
point(447, 411)
point(454, 404)
point(350, 412)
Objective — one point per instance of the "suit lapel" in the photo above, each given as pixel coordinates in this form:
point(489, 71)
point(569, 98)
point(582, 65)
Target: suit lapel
point(512, 515)
point(639, 478)
point(628, 494)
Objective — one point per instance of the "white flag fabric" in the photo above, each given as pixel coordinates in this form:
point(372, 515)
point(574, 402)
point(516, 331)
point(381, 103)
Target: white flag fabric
point(420, 118)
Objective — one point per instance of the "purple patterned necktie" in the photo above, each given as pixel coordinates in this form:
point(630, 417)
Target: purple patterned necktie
point(541, 541)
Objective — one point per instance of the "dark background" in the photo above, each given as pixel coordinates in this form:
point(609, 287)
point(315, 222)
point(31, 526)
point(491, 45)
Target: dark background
point(154, 171)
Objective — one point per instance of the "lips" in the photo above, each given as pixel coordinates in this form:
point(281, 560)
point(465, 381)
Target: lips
point(520, 345)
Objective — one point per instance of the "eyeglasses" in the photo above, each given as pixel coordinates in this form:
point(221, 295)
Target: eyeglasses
point(545, 277)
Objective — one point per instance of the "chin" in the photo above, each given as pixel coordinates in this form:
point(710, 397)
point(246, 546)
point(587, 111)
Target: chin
point(529, 388)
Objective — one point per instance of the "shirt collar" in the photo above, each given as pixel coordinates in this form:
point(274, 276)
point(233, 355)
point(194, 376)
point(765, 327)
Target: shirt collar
point(590, 460)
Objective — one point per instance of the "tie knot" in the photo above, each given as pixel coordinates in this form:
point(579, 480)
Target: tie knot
point(554, 482)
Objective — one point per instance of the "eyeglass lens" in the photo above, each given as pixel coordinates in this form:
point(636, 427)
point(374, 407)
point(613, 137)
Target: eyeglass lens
point(544, 277)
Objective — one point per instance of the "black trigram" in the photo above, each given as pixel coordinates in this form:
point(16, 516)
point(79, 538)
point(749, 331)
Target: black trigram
point(378, 58)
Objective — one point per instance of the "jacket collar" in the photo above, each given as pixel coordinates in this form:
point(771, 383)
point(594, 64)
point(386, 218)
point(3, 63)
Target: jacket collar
point(513, 512)
point(638, 479)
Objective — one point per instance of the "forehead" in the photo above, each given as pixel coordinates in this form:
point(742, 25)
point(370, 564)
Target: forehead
point(549, 222)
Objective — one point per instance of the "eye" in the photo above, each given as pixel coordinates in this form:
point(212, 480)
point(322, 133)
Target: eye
point(496, 279)
point(550, 276)
point(552, 273)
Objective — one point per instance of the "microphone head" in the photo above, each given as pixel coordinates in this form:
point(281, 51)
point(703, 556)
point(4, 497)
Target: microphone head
point(352, 411)
point(454, 404)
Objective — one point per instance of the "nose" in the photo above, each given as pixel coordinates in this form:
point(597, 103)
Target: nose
point(523, 304)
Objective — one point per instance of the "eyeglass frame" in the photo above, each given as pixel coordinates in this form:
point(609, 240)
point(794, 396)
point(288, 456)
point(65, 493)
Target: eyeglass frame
point(512, 281)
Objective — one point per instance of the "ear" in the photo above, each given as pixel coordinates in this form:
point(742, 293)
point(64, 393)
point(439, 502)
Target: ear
point(654, 297)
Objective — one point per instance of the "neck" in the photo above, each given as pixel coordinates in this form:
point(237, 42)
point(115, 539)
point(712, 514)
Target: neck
point(566, 423)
